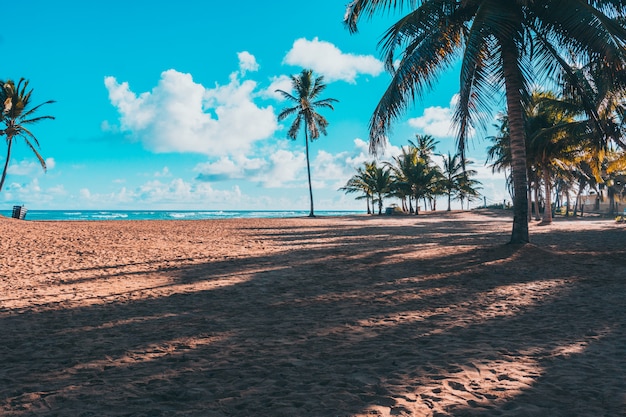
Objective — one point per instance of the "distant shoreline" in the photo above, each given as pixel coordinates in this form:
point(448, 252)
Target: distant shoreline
point(110, 215)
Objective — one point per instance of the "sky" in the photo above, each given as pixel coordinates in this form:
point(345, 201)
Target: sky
point(172, 105)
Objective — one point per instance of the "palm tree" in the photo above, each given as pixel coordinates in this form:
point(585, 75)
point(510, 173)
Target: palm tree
point(17, 115)
point(425, 146)
point(552, 140)
point(381, 185)
point(307, 91)
point(361, 182)
point(414, 174)
point(400, 167)
point(456, 179)
point(468, 190)
point(501, 44)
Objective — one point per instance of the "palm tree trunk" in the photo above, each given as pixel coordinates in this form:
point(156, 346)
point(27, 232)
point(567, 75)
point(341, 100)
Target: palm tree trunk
point(536, 188)
point(6, 162)
point(529, 190)
point(513, 85)
point(547, 214)
point(308, 170)
point(578, 194)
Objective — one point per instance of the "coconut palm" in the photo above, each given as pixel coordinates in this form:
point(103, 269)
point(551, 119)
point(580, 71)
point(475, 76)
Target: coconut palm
point(414, 173)
point(307, 100)
point(468, 190)
point(400, 167)
point(17, 116)
point(425, 146)
point(502, 45)
point(552, 141)
point(456, 182)
point(381, 185)
point(361, 182)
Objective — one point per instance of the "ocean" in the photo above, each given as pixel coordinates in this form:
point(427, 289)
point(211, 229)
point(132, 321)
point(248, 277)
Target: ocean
point(99, 215)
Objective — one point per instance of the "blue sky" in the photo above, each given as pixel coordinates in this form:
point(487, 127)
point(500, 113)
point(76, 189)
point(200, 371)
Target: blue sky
point(171, 105)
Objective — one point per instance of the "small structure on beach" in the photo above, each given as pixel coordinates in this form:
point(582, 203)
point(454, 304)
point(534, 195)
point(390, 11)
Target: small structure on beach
point(19, 212)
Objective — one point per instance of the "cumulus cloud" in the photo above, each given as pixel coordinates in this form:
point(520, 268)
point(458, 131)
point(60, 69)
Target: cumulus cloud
point(282, 82)
point(279, 169)
point(158, 193)
point(326, 59)
point(247, 62)
point(436, 121)
point(228, 168)
point(179, 115)
point(284, 168)
point(29, 167)
point(32, 193)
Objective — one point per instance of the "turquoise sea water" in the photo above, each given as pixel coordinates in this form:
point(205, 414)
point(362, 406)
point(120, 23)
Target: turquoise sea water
point(99, 215)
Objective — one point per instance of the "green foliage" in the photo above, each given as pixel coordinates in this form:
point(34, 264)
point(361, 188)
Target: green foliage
point(17, 116)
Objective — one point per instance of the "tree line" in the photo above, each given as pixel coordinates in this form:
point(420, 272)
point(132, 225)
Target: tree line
point(414, 177)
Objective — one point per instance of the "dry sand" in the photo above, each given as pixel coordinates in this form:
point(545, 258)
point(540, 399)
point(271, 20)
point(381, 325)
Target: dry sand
point(356, 316)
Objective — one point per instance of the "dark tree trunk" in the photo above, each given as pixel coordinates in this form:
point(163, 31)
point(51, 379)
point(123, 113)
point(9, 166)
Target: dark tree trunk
point(308, 170)
point(6, 162)
point(547, 213)
point(514, 85)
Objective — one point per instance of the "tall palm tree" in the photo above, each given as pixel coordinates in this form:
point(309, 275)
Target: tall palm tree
point(17, 115)
point(307, 89)
point(502, 44)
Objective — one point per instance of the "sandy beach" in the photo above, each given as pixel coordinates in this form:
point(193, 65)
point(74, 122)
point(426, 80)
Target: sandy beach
point(433, 315)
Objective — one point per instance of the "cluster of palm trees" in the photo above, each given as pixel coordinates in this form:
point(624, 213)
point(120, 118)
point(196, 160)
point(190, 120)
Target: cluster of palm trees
point(413, 176)
point(17, 115)
point(506, 48)
point(564, 151)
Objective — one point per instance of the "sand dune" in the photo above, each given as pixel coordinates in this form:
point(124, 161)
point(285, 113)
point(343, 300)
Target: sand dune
point(354, 316)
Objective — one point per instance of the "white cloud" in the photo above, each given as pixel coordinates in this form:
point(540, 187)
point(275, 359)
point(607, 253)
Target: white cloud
point(436, 121)
point(247, 62)
point(32, 194)
point(165, 172)
point(279, 169)
point(29, 167)
point(175, 193)
point(282, 82)
point(328, 60)
point(227, 168)
point(284, 168)
point(179, 115)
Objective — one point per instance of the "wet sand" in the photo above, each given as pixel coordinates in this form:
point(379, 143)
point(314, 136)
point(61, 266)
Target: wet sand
point(354, 316)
